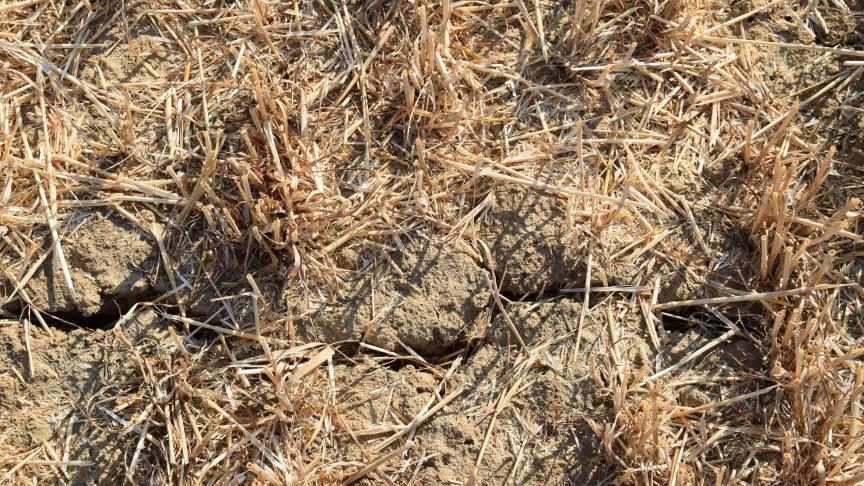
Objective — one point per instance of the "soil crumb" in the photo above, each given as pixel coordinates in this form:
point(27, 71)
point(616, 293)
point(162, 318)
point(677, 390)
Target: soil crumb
point(74, 376)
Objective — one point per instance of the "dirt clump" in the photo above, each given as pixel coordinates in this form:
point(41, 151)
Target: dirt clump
point(686, 271)
point(541, 435)
point(802, 73)
point(658, 151)
point(436, 299)
point(535, 322)
point(111, 263)
point(535, 409)
point(708, 370)
point(556, 323)
point(378, 395)
point(531, 245)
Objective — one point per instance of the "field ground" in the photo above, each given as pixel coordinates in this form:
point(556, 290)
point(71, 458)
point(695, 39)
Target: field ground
point(415, 242)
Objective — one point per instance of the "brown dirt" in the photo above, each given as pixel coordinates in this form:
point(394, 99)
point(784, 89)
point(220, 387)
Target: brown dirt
point(548, 413)
point(532, 247)
point(442, 299)
point(112, 264)
point(75, 375)
point(434, 299)
point(801, 73)
point(547, 425)
point(710, 371)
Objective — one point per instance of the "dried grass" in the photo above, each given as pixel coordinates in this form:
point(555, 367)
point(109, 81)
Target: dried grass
point(275, 136)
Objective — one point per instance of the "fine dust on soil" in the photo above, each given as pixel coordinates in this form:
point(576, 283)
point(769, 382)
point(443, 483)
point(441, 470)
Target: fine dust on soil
point(531, 244)
point(73, 376)
point(803, 74)
point(425, 298)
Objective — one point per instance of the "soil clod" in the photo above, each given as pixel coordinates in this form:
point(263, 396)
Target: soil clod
point(435, 300)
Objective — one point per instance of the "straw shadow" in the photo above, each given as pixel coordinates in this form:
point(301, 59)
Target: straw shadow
point(531, 259)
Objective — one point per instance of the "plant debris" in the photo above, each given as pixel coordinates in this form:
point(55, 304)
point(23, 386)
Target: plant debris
point(417, 242)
